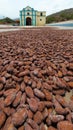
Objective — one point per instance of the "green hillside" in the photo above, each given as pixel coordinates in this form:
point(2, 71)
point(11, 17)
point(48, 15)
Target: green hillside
point(63, 15)
point(6, 21)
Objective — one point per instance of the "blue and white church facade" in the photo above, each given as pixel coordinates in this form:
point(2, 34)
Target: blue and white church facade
point(31, 17)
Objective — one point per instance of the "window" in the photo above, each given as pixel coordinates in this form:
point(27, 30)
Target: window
point(41, 14)
point(28, 13)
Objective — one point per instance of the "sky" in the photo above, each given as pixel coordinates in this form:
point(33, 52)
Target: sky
point(11, 8)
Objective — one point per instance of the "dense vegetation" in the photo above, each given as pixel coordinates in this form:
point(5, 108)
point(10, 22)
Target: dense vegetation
point(60, 16)
point(9, 21)
point(6, 21)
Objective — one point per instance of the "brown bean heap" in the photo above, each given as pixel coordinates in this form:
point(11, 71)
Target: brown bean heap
point(36, 79)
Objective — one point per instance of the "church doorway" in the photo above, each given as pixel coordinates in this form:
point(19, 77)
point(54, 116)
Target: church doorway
point(28, 21)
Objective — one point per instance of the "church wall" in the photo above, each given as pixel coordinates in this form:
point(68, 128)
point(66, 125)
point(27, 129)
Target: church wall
point(34, 18)
point(41, 20)
point(37, 19)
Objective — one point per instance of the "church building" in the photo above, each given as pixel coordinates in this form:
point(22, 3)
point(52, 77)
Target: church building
point(31, 17)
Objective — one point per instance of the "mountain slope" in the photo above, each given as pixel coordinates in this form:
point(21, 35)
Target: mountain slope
point(63, 15)
point(6, 21)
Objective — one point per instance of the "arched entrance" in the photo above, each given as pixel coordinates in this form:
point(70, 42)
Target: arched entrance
point(28, 21)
